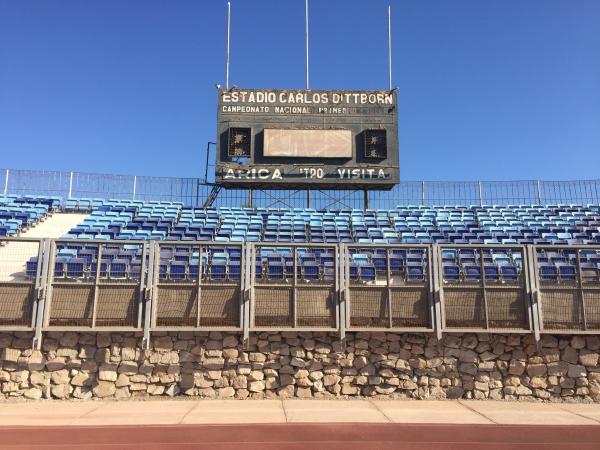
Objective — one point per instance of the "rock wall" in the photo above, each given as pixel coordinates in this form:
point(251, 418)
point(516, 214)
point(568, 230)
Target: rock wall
point(215, 365)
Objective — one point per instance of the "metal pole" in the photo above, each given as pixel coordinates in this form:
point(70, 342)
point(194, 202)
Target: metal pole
point(306, 36)
point(539, 193)
point(208, 144)
point(308, 198)
point(6, 183)
point(228, 46)
point(134, 185)
point(70, 184)
point(422, 193)
point(366, 199)
point(389, 47)
point(480, 194)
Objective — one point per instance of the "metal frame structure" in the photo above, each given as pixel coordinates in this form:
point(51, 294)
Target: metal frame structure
point(483, 292)
point(195, 191)
point(569, 299)
point(87, 290)
point(32, 291)
point(193, 290)
point(293, 288)
point(393, 285)
point(92, 290)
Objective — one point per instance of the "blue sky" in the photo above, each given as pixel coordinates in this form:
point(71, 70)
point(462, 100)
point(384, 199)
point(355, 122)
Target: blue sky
point(489, 90)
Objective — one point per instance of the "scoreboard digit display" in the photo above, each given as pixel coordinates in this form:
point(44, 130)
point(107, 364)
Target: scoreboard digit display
point(307, 139)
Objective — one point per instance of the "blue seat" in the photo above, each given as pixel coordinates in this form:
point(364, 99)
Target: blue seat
point(310, 270)
point(472, 272)
point(509, 272)
point(234, 270)
point(451, 272)
point(367, 272)
point(414, 272)
point(103, 268)
point(75, 267)
point(396, 264)
point(548, 272)
point(60, 265)
point(567, 272)
point(31, 267)
point(118, 268)
point(353, 271)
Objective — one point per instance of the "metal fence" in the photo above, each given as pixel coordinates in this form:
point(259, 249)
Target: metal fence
point(294, 286)
point(388, 287)
point(57, 284)
point(481, 295)
point(568, 292)
point(95, 285)
point(20, 282)
point(195, 192)
point(197, 286)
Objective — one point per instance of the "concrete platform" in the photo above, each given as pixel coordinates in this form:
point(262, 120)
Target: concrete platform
point(172, 412)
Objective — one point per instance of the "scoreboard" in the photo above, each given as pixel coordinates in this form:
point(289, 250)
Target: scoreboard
point(305, 139)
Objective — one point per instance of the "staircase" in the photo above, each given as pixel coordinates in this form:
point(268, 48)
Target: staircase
point(212, 196)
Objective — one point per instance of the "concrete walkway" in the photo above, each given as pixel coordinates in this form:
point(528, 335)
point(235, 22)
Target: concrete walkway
point(172, 412)
point(14, 255)
point(55, 226)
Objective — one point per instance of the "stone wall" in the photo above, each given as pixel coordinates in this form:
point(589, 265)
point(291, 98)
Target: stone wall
point(214, 365)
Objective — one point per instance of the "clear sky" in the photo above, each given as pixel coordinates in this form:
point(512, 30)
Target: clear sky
point(488, 90)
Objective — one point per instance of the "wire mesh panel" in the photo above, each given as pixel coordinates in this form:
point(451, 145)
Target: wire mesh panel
point(568, 288)
point(194, 191)
point(388, 287)
point(198, 285)
point(20, 267)
point(96, 284)
point(484, 288)
point(294, 286)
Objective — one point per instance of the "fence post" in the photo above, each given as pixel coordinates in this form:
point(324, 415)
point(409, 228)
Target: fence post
point(6, 182)
point(251, 198)
point(480, 194)
point(539, 192)
point(422, 193)
point(365, 199)
point(134, 185)
point(70, 185)
point(308, 198)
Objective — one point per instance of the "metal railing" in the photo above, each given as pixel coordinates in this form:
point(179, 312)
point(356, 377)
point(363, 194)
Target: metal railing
point(21, 282)
point(194, 191)
point(482, 295)
point(568, 293)
point(100, 287)
point(197, 285)
point(294, 286)
point(103, 285)
point(392, 292)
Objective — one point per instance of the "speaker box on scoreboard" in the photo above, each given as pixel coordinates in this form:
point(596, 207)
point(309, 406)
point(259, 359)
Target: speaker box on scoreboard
point(307, 139)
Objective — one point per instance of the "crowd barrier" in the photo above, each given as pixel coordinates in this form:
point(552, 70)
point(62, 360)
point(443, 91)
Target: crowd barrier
point(199, 192)
point(146, 286)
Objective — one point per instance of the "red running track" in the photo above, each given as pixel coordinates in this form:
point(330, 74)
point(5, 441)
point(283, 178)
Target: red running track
point(300, 436)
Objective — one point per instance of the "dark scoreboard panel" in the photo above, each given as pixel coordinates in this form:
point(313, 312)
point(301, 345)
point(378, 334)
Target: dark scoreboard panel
point(307, 139)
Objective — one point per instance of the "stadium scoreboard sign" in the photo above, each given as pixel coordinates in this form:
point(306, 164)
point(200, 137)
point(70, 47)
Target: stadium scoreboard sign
point(302, 139)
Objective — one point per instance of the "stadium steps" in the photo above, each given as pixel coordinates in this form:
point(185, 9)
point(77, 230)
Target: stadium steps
point(54, 226)
point(14, 255)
